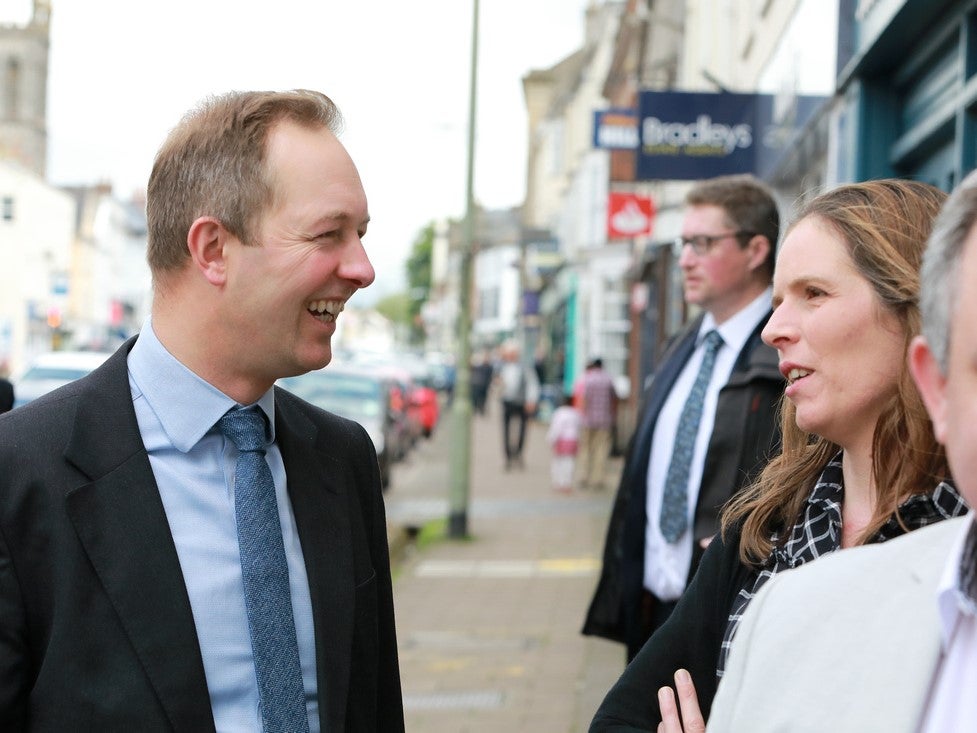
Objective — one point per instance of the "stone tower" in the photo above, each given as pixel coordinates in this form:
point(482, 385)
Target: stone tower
point(23, 89)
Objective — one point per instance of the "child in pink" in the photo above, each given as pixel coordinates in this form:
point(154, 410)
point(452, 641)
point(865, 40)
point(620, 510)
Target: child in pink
point(563, 437)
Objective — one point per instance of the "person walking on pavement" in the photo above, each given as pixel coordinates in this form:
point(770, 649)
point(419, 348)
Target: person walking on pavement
point(598, 406)
point(185, 546)
point(6, 395)
point(563, 437)
point(481, 379)
point(519, 390)
point(709, 417)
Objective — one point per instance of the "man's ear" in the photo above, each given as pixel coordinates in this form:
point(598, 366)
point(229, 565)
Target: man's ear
point(205, 241)
point(931, 383)
point(759, 248)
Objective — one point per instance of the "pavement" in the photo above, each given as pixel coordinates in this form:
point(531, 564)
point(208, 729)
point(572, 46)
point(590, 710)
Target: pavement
point(489, 626)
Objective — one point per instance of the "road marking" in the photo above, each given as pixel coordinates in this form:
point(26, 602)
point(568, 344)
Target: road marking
point(559, 567)
point(474, 700)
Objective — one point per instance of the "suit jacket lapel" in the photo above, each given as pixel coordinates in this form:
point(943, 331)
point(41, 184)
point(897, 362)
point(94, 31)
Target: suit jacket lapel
point(318, 486)
point(121, 523)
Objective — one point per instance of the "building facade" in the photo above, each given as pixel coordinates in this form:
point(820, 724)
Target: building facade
point(23, 90)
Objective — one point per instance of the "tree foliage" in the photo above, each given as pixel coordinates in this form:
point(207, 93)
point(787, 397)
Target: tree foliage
point(418, 268)
point(395, 307)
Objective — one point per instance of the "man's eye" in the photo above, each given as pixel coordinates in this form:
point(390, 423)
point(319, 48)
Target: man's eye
point(813, 292)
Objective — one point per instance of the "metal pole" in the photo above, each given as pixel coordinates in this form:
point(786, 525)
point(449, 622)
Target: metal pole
point(461, 406)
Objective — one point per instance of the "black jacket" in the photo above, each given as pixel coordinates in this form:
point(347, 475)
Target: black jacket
point(690, 639)
point(745, 435)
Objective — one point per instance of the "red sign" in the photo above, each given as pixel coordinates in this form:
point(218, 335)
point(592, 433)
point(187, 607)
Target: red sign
point(629, 215)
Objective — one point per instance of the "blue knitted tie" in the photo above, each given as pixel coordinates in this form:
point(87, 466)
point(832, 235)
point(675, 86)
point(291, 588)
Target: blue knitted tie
point(265, 572)
point(675, 502)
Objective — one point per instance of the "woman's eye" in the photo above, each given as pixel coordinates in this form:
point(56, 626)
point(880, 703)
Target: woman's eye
point(813, 292)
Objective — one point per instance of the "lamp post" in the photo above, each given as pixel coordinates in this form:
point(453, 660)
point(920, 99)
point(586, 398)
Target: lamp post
point(461, 406)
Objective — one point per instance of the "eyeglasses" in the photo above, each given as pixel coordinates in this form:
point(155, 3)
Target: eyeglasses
point(702, 243)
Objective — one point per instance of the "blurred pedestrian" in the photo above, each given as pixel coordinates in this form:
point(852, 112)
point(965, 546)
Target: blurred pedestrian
point(481, 380)
point(598, 406)
point(6, 389)
point(563, 437)
point(187, 547)
point(519, 391)
point(709, 418)
point(6, 395)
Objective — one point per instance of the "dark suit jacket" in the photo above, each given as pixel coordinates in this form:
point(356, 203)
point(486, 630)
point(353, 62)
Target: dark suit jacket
point(745, 434)
point(96, 631)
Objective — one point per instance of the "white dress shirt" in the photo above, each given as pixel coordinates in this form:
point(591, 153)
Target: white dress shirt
point(667, 565)
point(194, 469)
point(952, 703)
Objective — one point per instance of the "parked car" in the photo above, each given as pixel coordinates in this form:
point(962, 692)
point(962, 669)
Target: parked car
point(358, 395)
point(49, 371)
point(426, 407)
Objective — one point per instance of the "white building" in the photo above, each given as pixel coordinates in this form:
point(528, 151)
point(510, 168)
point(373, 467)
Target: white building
point(37, 224)
point(584, 310)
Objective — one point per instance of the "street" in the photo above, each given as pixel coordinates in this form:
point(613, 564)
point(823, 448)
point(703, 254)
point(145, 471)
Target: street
point(489, 628)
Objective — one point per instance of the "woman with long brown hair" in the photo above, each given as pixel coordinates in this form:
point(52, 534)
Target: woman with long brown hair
point(859, 462)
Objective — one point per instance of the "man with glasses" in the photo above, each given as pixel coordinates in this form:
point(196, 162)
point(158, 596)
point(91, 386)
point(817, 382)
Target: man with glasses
point(709, 415)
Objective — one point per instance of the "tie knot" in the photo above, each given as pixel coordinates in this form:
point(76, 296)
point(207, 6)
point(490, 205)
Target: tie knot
point(713, 341)
point(245, 427)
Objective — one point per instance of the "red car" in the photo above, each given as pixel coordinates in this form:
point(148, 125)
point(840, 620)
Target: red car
point(424, 407)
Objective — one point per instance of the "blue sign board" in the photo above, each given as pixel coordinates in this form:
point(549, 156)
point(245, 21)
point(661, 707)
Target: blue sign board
point(615, 129)
point(690, 135)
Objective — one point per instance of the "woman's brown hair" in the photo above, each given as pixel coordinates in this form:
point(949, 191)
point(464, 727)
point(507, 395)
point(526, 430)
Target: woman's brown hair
point(885, 225)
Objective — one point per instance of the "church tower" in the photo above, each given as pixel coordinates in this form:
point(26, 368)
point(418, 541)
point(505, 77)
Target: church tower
point(23, 89)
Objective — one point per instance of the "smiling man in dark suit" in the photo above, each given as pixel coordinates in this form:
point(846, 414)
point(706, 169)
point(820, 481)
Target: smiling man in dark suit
point(158, 571)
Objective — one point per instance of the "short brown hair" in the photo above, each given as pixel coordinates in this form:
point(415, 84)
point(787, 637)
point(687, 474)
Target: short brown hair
point(749, 204)
point(213, 164)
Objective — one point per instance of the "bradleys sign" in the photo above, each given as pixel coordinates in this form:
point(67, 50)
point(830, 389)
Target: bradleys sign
point(691, 135)
point(703, 137)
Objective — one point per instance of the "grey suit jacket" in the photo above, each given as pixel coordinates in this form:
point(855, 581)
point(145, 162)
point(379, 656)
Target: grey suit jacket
point(848, 643)
point(96, 631)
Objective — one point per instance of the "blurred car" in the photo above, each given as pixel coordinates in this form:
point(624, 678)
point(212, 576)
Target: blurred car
point(49, 371)
point(425, 406)
point(423, 396)
point(355, 394)
point(416, 396)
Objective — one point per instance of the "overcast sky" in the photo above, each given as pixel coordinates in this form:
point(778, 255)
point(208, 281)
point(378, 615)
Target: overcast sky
point(123, 72)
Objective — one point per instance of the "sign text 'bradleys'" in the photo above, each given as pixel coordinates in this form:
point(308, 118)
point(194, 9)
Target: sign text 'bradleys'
point(704, 133)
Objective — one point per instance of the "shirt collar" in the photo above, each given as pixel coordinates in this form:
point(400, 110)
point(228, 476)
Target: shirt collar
point(187, 406)
point(951, 597)
point(736, 330)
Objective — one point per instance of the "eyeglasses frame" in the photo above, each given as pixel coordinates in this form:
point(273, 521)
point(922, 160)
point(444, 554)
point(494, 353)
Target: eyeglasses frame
point(702, 244)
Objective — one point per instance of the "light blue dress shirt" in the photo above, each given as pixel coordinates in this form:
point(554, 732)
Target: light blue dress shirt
point(194, 469)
